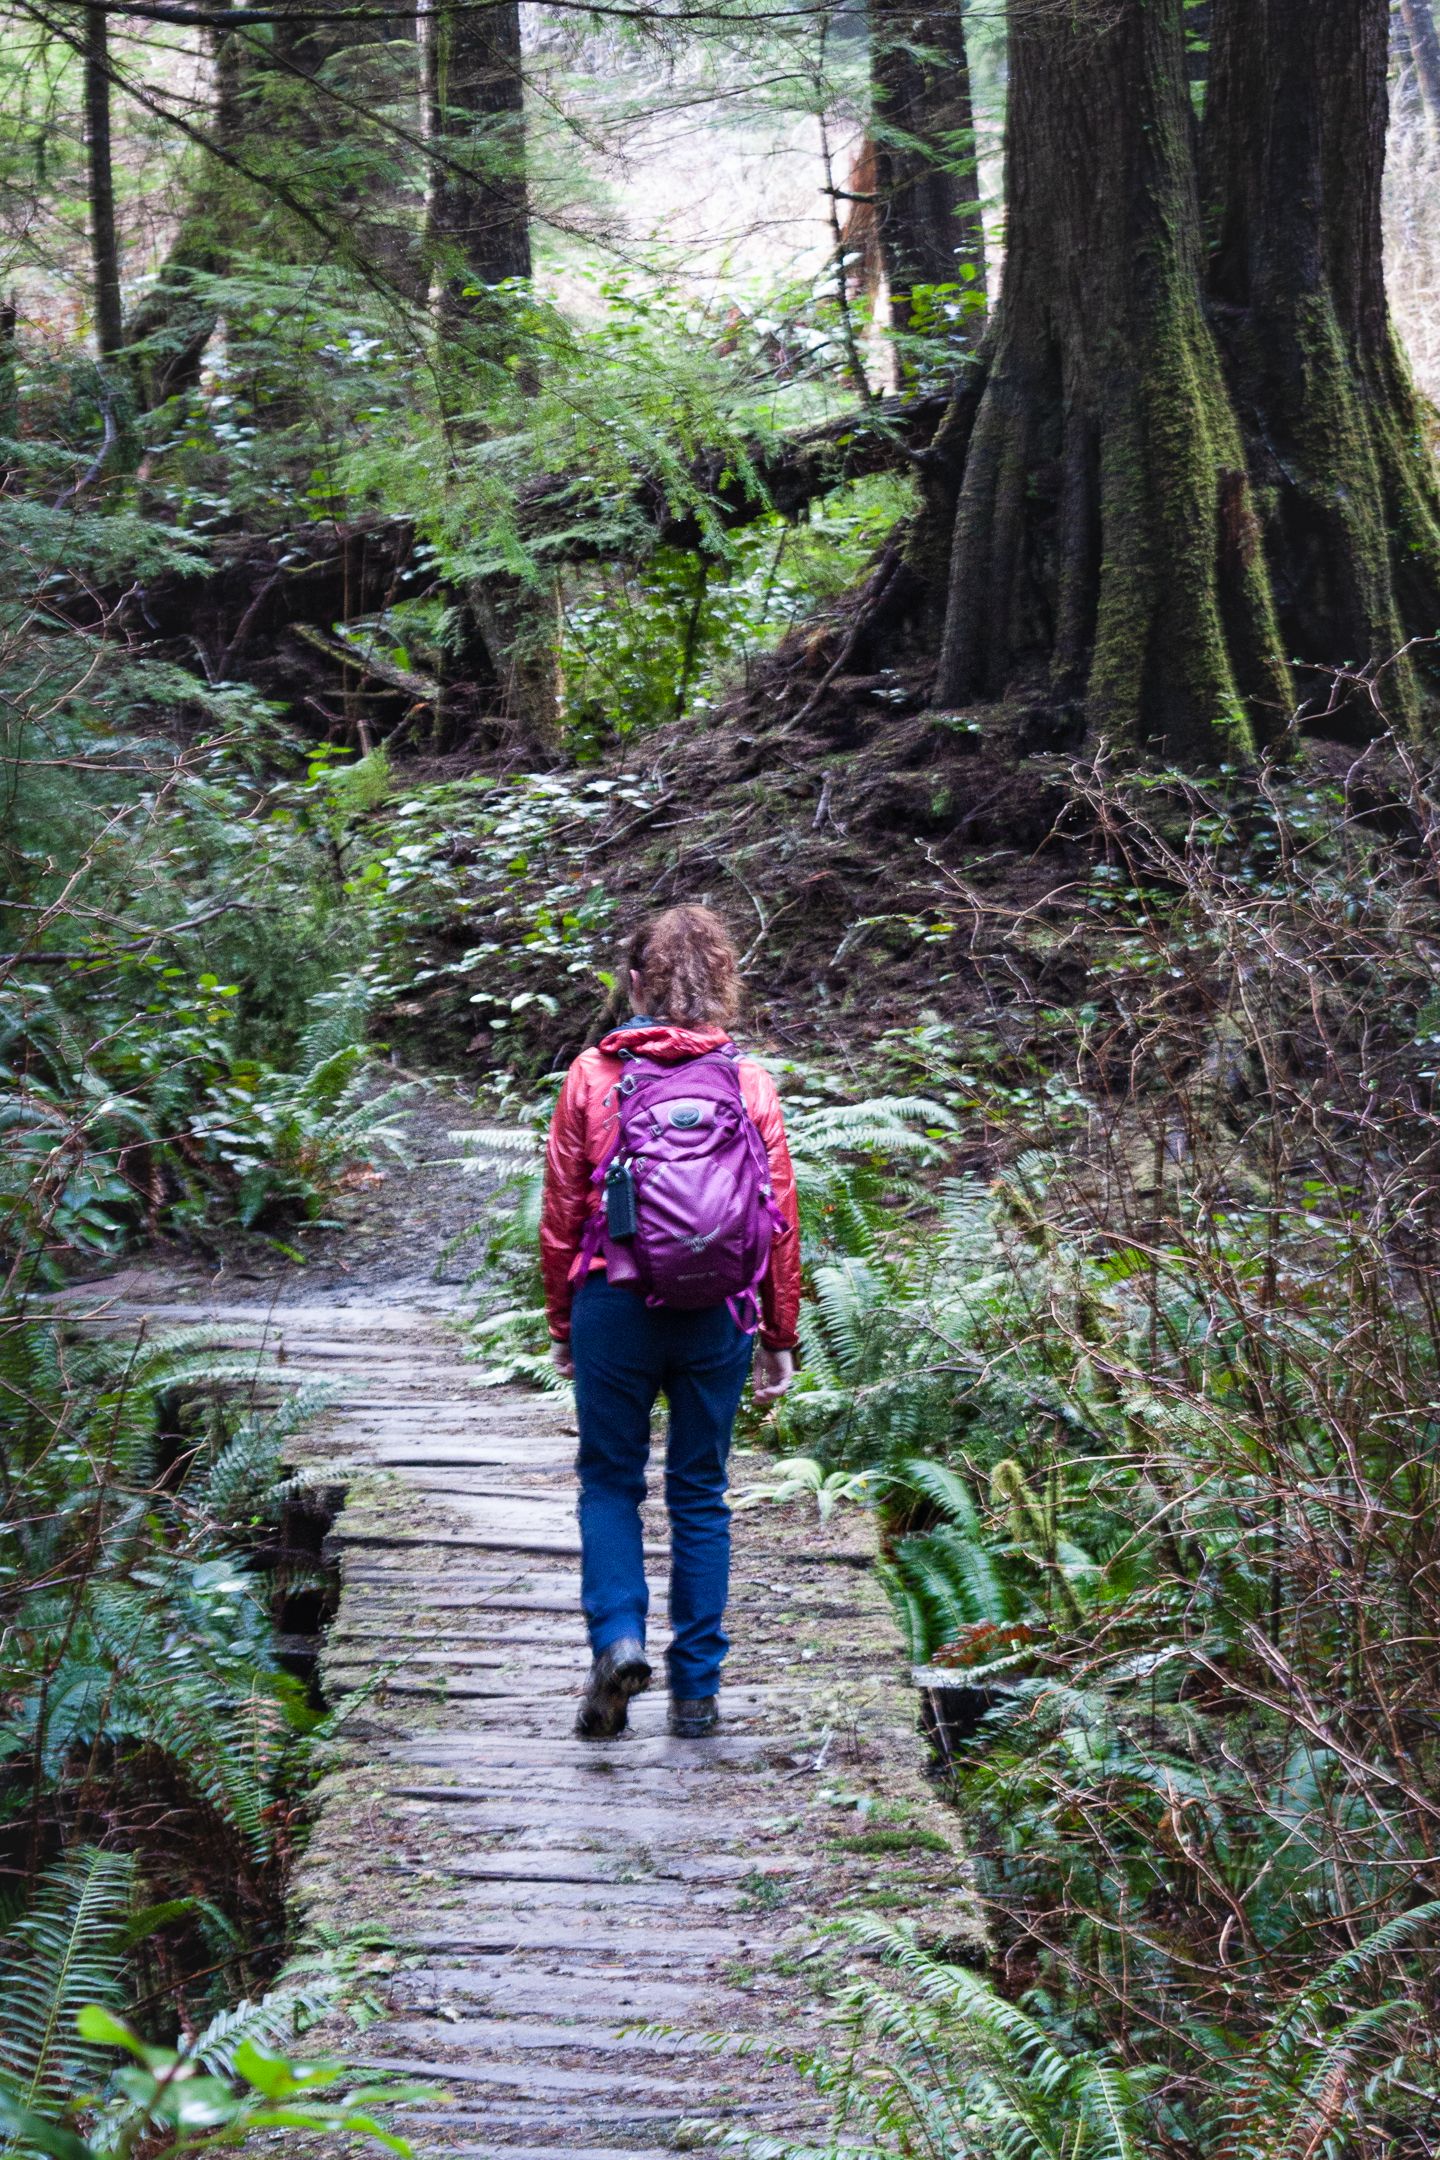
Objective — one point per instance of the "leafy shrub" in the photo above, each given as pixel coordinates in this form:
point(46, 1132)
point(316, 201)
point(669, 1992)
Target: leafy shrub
point(165, 1122)
point(135, 1634)
point(933, 2058)
point(670, 636)
point(1151, 1422)
point(63, 1978)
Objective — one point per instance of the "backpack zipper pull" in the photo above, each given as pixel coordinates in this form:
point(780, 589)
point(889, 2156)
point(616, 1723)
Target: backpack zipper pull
point(620, 1217)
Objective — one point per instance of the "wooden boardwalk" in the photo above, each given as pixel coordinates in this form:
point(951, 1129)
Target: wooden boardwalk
point(581, 1922)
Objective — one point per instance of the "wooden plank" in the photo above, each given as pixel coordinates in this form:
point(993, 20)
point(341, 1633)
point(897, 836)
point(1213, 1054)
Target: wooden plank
point(437, 1541)
point(498, 1498)
point(607, 1900)
point(671, 1951)
point(592, 1759)
point(425, 1454)
point(500, 1811)
point(526, 1990)
point(555, 1891)
point(528, 2151)
point(688, 2096)
point(547, 1864)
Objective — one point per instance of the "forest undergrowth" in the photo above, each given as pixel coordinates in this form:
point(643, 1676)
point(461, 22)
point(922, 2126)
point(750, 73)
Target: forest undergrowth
point(407, 580)
point(186, 1058)
point(1124, 1320)
point(1150, 1421)
point(1124, 1282)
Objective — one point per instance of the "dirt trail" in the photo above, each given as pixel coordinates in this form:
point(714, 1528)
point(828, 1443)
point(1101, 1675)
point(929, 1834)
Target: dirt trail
point(550, 1896)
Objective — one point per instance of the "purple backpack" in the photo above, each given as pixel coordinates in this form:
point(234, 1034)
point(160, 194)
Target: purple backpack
point(688, 1214)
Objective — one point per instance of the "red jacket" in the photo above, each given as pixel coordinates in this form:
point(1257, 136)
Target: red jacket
point(581, 1132)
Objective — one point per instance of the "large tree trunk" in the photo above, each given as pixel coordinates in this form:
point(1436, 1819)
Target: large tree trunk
point(168, 332)
point(477, 238)
point(1294, 157)
point(478, 227)
point(1105, 548)
point(104, 243)
point(345, 89)
point(926, 189)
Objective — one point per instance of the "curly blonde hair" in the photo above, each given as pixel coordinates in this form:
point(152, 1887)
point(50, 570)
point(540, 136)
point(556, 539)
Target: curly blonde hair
point(688, 969)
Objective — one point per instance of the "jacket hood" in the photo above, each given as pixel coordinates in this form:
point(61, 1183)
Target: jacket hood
point(667, 1045)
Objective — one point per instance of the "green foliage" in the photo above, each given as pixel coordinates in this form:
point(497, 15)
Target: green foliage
point(135, 1095)
point(141, 1542)
point(62, 1982)
point(67, 1952)
point(482, 903)
point(936, 2060)
point(165, 1119)
point(134, 1633)
point(671, 636)
point(636, 400)
point(932, 2058)
point(796, 1475)
point(1135, 1415)
point(186, 992)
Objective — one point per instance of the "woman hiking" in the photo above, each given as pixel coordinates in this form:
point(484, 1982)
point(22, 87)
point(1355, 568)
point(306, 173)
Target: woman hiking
point(668, 1234)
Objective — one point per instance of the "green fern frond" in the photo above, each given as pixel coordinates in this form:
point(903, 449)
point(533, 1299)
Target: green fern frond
point(66, 1952)
point(939, 2062)
point(1363, 1959)
point(503, 1147)
point(946, 1491)
point(278, 2017)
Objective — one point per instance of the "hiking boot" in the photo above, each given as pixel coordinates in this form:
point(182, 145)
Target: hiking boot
point(694, 1717)
point(620, 1671)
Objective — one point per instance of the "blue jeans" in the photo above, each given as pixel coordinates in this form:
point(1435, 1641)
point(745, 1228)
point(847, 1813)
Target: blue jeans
point(626, 1354)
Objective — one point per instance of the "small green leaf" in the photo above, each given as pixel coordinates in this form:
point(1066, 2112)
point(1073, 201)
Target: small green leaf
point(21, 2127)
point(98, 2025)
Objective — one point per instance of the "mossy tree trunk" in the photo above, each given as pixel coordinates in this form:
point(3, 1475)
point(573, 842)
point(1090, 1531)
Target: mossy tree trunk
point(477, 239)
point(927, 220)
point(478, 226)
point(343, 89)
point(1106, 551)
point(1294, 157)
point(167, 334)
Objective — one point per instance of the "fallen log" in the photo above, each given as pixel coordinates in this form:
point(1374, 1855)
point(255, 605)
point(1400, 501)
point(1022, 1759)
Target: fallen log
point(785, 474)
point(240, 612)
point(423, 688)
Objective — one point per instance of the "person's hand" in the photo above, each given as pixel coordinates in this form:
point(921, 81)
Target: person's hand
point(772, 1374)
point(561, 1359)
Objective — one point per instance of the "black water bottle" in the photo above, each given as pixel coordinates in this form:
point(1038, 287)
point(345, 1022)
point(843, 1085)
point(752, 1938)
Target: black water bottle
point(620, 1200)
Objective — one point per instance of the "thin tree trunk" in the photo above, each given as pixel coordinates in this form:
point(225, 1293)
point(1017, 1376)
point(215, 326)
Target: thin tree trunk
point(9, 384)
point(1295, 147)
point(1105, 551)
point(1424, 40)
point(104, 244)
point(927, 192)
point(858, 235)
